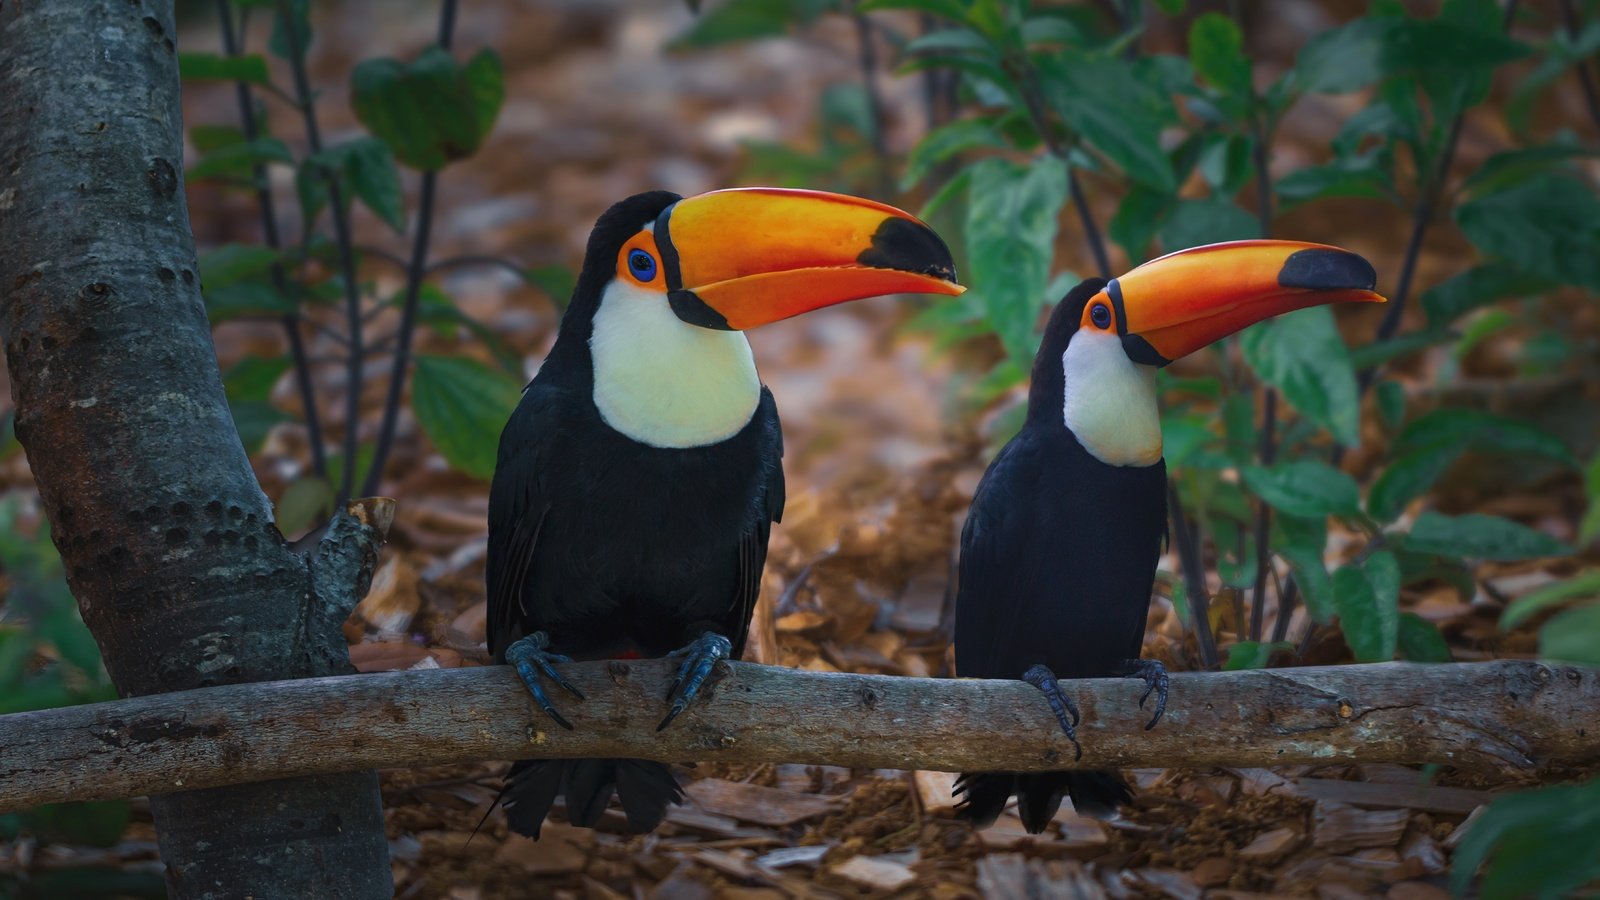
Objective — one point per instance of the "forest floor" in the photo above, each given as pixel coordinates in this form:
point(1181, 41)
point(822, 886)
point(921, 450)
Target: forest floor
point(880, 471)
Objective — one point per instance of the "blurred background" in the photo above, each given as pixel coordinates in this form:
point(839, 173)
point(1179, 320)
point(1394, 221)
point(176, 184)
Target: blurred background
point(1414, 482)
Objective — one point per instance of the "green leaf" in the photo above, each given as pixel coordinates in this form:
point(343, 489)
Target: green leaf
point(239, 160)
point(747, 20)
point(1548, 226)
point(305, 501)
point(232, 263)
point(437, 309)
point(299, 26)
point(1590, 527)
point(254, 420)
point(1353, 56)
point(1225, 163)
point(1478, 286)
point(1306, 488)
point(1196, 222)
point(1482, 537)
point(1370, 356)
point(1252, 654)
point(462, 405)
point(1367, 598)
point(1103, 100)
point(1509, 167)
point(946, 141)
point(1420, 640)
point(557, 282)
point(1391, 402)
point(1353, 177)
point(1138, 217)
point(430, 111)
point(1545, 843)
point(1580, 587)
point(1408, 477)
point(98, 823)
point(248, 298)
point(959, 40)
point(311, 189)
point(368, 167)
point(954, 10)
point(1010, 235)
point(208, 138)
point(1573, 636)
point(254, 377)
point(364, 455)
point(1216, 48)
point(1302, 355)
point(1342, 60)
point(1482, 431)
point(250, 67)
point(486, 83)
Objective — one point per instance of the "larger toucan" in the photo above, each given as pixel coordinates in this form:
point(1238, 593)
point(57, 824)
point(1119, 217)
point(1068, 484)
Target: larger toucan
point(640, 474)
point(1059, 550)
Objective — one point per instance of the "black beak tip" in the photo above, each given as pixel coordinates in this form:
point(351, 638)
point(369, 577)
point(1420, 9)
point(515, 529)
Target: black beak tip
point(909, 246)
point(1321, 269)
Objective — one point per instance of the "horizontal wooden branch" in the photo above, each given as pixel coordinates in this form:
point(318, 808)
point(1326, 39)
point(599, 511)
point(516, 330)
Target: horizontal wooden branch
point(1480, 715)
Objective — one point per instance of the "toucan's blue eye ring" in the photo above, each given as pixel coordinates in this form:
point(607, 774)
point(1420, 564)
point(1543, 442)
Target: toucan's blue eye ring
point(1100, 315)
point(642, 265)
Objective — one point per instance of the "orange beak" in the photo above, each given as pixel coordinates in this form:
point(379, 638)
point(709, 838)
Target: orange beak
point(743, 257)
point(1174, 305)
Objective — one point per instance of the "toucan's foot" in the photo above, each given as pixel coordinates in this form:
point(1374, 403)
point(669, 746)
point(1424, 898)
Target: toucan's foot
point(699, 658)
point(1155, 679)
point(1066, 711)
point(532, 658)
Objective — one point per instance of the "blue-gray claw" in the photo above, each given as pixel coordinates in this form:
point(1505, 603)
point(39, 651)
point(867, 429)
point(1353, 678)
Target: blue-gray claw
point(1155, 679)
point(699, 658)
point(532, 658)
point(1066, 711)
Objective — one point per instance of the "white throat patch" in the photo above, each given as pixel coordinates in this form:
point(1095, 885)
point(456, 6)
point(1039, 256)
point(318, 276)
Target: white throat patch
point(664, 382)
point(1110, 401)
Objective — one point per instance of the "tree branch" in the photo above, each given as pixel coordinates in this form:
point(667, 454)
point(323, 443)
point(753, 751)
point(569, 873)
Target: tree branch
point(1522, 715)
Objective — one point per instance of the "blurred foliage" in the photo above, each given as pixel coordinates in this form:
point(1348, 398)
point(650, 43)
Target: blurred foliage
point(1041, 99)
point(423, 114)
point(47, 659)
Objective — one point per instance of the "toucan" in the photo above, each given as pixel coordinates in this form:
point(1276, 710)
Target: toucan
point(640, 474)
point(1059, 550)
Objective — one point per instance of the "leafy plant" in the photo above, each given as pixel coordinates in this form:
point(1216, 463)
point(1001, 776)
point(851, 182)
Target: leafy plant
point(1051, 102)
point(1519, 834)
point(424, 114)
point(48, 659)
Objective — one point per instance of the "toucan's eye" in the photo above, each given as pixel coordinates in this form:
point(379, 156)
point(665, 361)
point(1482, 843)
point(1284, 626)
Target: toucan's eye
point(1100, 315)
point(642, 265)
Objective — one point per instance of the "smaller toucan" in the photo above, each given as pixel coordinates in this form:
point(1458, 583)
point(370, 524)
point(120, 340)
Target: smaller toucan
point(1059, 550)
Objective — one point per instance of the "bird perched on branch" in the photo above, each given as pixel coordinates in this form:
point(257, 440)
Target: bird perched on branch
point(639, 476)
point(1059, 550)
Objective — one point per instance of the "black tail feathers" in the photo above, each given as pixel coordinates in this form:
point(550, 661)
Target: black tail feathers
point(646, 789)
point(1039, 795)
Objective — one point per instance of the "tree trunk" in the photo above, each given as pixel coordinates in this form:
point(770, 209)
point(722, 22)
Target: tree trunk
point(167, 539)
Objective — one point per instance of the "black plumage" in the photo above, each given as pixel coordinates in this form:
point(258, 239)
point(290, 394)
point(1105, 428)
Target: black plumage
point(1058, 558)
point(614, 548)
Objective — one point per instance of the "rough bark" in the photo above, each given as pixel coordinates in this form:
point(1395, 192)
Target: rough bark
point(167, 539)
point(1521, 715)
